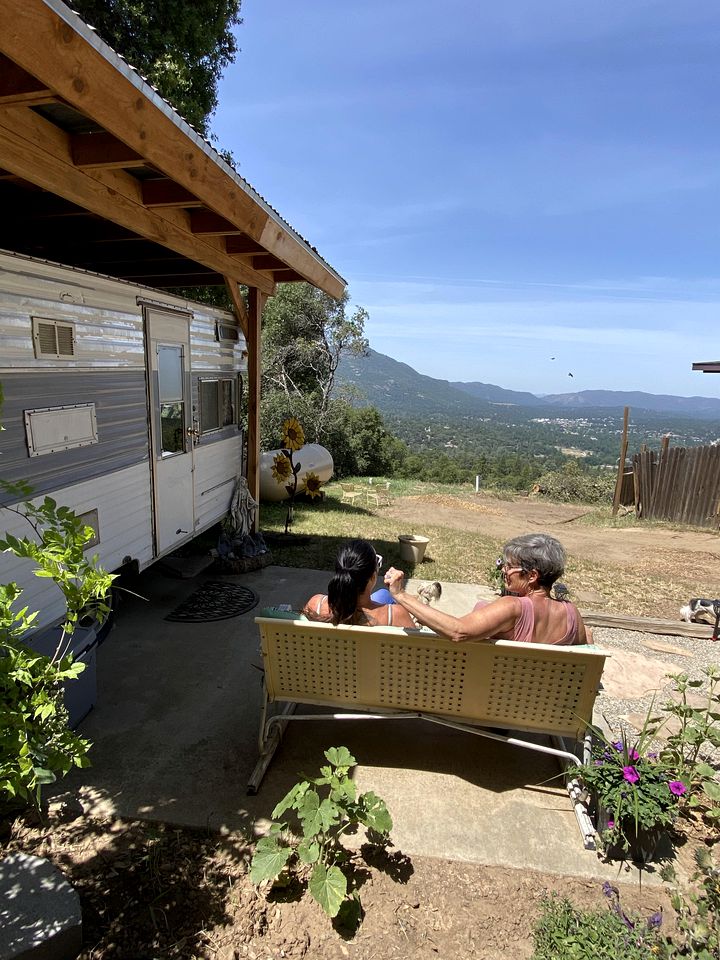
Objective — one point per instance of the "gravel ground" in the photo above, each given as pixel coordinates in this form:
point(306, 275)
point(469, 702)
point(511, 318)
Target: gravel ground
point(626, 699)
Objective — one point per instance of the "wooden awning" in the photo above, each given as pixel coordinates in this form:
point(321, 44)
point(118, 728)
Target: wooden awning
point(98, 171)
point(707, 366)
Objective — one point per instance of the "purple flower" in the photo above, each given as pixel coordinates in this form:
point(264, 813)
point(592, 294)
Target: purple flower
point(598, 763)
point(677, 787)
point(630, 774)
point(618, 746)
point(654, 921)
point(633, 755)
point(611, 824)
point(652, 756)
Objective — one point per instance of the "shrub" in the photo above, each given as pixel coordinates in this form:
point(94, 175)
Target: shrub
point(565, 932)
point(698, 912)
point(35, 743)
point(572, 484)
point(323, 821)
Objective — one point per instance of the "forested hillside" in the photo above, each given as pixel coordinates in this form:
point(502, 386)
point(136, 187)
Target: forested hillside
point(478, 419)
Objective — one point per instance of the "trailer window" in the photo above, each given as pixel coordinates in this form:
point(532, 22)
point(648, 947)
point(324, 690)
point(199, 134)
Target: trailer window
point(217, 403)
point(172, 406)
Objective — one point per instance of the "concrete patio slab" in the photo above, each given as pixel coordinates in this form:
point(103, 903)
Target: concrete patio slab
point(174, 737)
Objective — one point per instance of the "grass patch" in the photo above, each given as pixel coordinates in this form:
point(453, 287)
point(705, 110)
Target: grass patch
point(451, 556)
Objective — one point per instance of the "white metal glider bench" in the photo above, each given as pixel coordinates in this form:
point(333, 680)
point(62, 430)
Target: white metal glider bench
point(391, 673)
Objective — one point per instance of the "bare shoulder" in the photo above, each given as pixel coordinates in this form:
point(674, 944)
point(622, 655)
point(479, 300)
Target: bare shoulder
point(311, 606)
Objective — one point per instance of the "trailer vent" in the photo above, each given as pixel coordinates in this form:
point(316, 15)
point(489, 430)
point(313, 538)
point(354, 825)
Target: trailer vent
point(224, 331)
point(53, 338)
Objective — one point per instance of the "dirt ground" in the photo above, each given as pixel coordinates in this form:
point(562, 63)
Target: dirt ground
point(153, 891)
point(149, 891)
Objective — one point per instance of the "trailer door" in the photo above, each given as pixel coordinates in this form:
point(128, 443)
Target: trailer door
point(168, 344)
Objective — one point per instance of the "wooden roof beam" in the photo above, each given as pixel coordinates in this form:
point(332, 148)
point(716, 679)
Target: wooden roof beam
point(168, 193)
point(102, 149)
point(17, 86)
point(286, 276)
point(242, 245)
point(211, 224)
point(267, 262)
point(38, 151)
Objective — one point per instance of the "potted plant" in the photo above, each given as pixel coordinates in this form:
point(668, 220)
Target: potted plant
point(635, 795)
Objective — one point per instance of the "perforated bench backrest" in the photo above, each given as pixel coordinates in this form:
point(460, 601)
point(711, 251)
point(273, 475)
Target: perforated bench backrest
point(518, 685)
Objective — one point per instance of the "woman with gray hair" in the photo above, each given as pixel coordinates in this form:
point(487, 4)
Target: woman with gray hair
point(526, 612)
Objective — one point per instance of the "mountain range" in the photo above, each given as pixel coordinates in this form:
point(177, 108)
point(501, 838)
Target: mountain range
point(394, 387)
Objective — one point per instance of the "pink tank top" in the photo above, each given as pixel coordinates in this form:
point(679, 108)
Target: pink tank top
point(525, 624)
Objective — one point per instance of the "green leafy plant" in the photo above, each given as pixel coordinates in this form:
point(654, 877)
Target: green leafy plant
point(565, 931)
point(323, 820)
point(637, 791)
point(697, 735)
point(36, 745)
point(698, 912)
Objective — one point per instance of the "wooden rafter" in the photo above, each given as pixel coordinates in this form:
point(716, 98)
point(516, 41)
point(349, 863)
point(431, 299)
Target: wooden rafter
point(40, 152)
point(102, 149)
point(17, 86)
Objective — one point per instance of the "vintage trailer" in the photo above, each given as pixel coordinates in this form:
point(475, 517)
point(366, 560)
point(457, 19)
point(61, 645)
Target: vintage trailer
point(120, 402)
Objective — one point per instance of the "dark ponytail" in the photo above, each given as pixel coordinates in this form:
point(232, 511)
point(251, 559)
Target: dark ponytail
point(354, 565)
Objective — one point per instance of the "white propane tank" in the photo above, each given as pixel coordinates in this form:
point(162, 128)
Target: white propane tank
point(312, 459)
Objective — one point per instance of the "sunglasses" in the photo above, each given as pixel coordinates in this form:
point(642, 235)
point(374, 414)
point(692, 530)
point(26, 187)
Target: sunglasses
point(503, 565)
point(378, 560)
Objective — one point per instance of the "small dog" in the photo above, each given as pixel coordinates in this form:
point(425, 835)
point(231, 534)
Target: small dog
point(700, 610)
point(433, 591)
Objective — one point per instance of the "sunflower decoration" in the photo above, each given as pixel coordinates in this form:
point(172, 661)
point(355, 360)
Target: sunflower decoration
point(293, 435)
point(281, 468)
point(312, 485)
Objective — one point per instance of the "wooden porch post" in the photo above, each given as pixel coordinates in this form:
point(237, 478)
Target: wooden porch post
point(256, 302)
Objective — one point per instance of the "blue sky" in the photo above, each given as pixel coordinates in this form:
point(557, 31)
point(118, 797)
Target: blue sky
point(499, 183)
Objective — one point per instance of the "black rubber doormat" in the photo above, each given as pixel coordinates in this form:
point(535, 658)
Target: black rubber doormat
point(215, 600)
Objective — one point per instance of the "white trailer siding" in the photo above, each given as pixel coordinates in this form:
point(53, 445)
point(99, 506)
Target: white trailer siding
point(114, 471)
point(122, 500)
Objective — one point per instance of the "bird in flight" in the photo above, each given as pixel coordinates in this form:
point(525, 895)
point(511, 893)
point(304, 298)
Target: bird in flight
point(570, 375)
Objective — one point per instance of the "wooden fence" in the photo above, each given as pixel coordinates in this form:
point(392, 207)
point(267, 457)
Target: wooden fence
point(680, 483)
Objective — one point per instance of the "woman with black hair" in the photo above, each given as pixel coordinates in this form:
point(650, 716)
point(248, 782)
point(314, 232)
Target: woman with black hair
point(349, 599)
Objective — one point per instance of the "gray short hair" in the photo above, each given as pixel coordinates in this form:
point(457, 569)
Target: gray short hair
point(537, 551)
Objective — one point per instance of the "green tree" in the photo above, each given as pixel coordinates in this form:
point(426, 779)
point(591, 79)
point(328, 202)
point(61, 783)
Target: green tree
point(305, 335)
point(181, 46)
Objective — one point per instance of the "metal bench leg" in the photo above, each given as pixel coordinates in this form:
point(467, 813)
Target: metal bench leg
point(577, 797)
point(271, 732)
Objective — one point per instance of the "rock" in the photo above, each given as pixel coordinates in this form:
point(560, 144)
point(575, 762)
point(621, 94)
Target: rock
point(628, 676)
point(40, 916)
point(662, 647)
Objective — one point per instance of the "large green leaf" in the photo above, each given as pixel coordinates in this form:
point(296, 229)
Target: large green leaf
point(329, 887)
point(269, 860)
point(317, 816)
point(292, 799)
point(309, 851)
point(340, 757)
point(712, 790)
point(375, 814)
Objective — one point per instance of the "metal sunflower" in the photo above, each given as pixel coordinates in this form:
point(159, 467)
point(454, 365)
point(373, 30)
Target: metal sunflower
point(281, 468)
point(293, 435)
point(312, 485)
